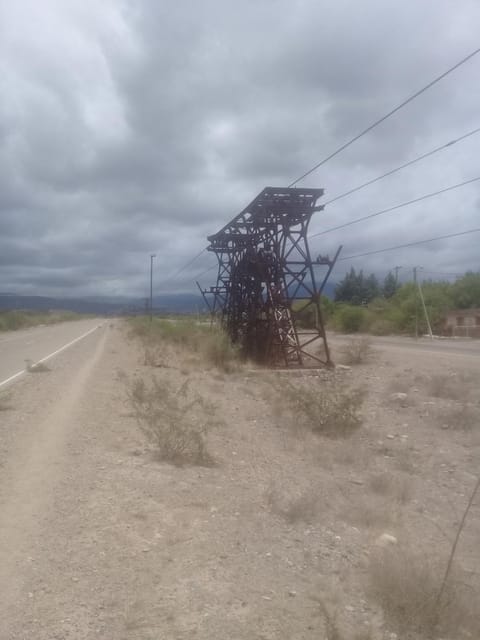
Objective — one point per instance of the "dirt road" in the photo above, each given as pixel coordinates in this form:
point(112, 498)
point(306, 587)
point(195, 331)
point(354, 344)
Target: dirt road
point(98, 540)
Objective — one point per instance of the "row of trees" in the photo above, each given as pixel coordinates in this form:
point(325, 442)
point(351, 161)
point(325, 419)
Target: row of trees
point(358, 289)
point(363, 304)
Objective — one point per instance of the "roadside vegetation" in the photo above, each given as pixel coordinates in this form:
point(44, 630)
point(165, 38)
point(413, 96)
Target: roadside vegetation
point(14, 320)
point(208, 344)
point(364, 305)
point(326, 408)
point(174, 421)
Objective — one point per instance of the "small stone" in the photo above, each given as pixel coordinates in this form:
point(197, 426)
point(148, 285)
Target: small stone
point(386, 540)
point(390, 436)
point(349, 608)
point(292, 594)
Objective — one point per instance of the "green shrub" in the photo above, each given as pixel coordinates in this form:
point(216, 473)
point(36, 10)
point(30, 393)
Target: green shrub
point(350, 319)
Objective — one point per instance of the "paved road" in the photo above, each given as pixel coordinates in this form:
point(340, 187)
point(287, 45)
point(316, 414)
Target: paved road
point(37, 343)
point(438, 346)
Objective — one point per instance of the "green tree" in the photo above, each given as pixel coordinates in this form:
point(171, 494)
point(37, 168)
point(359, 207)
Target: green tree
point(389, 285)
point(466, 291)
point(355, 288)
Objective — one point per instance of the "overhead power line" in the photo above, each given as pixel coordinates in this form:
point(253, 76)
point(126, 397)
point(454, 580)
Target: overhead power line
point(357, 137)
point(186, 265)
point(387, 115)
point(214, 266)
point(410, 244)
point(397, 206)
point(403, 166)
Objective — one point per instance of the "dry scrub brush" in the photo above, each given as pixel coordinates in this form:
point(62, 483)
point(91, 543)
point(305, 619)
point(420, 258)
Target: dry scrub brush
point(450, 386)
point(357, 351)
point(174, 422)
point(419, 594)
point(328, 408)
point(406, 583)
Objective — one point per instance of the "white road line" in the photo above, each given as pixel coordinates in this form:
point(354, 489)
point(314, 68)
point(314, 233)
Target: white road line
point(51, 355)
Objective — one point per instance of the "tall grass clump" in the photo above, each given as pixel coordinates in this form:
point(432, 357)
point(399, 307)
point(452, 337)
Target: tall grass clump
point(210, 344)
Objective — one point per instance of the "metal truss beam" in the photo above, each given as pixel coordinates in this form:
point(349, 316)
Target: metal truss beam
point(266, 283)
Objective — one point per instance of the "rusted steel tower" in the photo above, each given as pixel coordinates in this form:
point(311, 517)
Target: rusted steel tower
point(266, 284)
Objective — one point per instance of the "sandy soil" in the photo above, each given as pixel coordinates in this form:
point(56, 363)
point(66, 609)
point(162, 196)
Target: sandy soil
point(274, 541)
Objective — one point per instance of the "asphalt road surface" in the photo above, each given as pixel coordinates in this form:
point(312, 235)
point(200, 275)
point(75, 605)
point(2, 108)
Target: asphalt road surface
point(437, 347)
point(18, 348)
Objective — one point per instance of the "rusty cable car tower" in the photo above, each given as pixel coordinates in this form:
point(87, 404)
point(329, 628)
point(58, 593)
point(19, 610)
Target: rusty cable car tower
point(266, 280)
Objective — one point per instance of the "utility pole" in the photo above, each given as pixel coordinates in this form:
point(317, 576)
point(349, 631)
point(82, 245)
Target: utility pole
point(425, 311)
point(396, 269)
point(152, 256)
point(416, 300)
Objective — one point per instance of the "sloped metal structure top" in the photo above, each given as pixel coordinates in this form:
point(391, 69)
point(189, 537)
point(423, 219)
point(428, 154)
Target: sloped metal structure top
point(272, 206)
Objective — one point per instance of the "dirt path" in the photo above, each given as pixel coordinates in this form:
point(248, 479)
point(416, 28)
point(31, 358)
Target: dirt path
point(273, 542)
point(30, 476)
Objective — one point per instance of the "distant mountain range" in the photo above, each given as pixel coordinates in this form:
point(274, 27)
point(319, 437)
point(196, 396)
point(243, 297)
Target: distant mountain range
point(171, 303)
point(167, 303)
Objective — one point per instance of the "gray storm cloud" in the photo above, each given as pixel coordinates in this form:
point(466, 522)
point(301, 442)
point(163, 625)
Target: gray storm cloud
point(135, 127)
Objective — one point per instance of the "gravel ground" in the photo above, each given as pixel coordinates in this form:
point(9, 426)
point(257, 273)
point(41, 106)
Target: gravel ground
point(288, 535)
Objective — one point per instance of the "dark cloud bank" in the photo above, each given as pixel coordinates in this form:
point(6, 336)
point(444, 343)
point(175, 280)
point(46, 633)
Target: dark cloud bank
point(135, 127)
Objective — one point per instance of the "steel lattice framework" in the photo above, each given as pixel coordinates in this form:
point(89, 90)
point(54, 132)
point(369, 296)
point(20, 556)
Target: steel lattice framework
point(264, 267)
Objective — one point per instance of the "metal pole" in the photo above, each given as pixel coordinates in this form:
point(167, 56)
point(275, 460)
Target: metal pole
point(152, 256)
point(416, 302)
point(425, 311)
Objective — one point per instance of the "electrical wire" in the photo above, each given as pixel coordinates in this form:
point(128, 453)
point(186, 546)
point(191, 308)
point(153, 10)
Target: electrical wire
point(357, 137)
point(387, 115)
point(403, 166)
point(185, 266)
point(397, 206)
point(410, 244)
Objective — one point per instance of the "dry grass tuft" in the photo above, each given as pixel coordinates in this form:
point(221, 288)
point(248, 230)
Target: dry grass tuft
point(406, 583)
point(175, 422)
point(357, 351)
point(327, 409)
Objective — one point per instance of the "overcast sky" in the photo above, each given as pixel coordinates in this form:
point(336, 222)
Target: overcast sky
point(130, 128)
